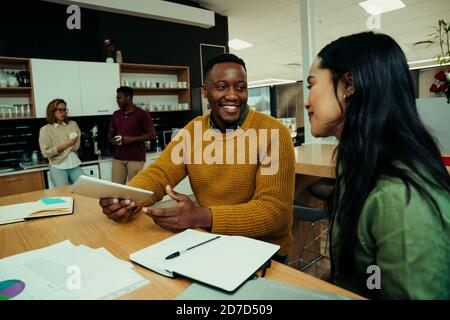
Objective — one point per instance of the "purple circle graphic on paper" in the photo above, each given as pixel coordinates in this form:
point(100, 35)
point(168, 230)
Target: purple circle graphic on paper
point(10, 288)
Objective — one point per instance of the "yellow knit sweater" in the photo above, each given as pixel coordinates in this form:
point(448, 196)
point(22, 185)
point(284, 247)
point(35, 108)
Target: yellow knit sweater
point(242, 200)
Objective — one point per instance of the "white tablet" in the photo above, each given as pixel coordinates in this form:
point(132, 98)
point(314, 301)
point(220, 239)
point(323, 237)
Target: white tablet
point(98, 189)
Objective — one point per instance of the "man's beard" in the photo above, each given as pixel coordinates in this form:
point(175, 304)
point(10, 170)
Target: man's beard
point(228, 122)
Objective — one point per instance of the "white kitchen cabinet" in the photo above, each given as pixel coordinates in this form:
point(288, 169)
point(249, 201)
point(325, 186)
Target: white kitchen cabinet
point(89, 88)
point(56, 79)
point(106, 170)
point(99, 82)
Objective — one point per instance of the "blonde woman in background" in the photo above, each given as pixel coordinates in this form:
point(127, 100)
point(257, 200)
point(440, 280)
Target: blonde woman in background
point(58, 140)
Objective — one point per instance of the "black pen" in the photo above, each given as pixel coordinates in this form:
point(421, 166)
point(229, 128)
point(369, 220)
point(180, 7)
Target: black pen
point(176, 254)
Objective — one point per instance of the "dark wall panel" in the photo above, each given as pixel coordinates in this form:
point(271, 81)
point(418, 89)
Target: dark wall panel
point(38, 29)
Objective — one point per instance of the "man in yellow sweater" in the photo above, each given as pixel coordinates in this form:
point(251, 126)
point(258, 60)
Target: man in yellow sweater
point(240, 165)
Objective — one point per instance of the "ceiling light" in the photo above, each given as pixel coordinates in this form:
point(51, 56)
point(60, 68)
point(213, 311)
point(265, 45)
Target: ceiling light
point(375, 7)
point(268, 82)
point(239, 44)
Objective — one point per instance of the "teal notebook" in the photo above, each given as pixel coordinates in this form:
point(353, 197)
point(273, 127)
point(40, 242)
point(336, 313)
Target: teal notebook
point(258, 289)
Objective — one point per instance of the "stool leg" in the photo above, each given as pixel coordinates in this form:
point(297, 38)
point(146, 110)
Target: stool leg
point(302, 248)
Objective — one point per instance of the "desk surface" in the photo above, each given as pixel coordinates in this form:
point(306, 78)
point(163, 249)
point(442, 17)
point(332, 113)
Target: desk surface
point(317, 160)
point(90, 227)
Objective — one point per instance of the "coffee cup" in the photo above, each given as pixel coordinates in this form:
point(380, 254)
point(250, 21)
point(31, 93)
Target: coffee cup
point(118, 139)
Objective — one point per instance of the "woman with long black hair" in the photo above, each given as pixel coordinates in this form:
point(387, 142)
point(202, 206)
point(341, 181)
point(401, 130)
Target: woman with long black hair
point(391, 206)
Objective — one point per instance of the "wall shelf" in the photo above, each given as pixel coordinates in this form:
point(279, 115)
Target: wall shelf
point(9, 95)
point(168, 75)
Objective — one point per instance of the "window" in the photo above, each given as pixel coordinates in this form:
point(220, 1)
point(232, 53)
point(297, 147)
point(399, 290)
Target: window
point(259, 99)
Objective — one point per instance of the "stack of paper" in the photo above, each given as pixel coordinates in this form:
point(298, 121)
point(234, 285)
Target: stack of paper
point(65, 271)
point(41, 208)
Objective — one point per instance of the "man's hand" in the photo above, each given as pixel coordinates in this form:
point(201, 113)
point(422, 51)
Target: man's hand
point(128, 139)
point(115, 142)
point(116, 209)
point(186, 214)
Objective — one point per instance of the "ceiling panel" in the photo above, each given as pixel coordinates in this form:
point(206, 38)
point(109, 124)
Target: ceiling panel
point(273, 27)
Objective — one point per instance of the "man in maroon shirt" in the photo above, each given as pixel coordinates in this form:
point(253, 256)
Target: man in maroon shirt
point(130, 127)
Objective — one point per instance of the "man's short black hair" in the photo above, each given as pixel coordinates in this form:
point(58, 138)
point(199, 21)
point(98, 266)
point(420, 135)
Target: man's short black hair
point(127, 91)
point(223, 57)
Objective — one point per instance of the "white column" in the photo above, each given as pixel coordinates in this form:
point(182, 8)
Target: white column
point(308, 41)
point(308, 23)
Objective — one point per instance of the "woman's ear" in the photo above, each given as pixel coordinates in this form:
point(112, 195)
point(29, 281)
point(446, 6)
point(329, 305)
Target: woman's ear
point(349, 85)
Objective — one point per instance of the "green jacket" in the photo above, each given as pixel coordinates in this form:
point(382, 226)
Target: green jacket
point(407, 241)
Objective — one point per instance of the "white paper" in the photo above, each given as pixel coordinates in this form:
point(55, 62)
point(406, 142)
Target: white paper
point(48, 273)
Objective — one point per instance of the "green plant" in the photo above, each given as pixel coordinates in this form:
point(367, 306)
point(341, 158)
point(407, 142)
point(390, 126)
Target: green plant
point(441, 35)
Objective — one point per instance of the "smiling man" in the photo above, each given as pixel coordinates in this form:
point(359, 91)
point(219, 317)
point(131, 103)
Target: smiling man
point(234, 197)
point(229, 107)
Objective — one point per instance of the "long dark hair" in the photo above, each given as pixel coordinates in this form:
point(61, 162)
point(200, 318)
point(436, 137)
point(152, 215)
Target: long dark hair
point(381, 128)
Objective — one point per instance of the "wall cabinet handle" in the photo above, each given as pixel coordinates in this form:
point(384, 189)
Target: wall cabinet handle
point(12, 179)
point(104, 110)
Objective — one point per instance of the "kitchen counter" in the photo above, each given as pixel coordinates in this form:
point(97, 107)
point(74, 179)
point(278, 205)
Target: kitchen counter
point(83, 163)
point(316, 159)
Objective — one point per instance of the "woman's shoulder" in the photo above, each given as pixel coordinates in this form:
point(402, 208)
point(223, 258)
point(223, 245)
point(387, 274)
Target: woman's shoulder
point(392, 198)
point(72, 123)
point(45, 127)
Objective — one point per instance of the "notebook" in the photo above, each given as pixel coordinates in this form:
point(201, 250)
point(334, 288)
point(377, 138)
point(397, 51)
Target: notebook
point(44, 207)
point(224, 263)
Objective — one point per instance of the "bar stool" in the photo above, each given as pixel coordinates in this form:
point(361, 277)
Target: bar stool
point(321, 189)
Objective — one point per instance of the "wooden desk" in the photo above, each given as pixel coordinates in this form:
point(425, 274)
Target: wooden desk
point(317, 160)
point(90, 227)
